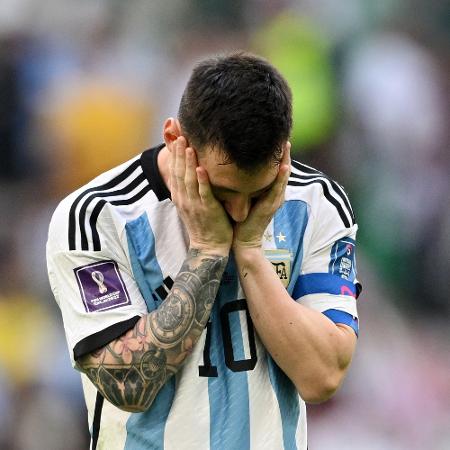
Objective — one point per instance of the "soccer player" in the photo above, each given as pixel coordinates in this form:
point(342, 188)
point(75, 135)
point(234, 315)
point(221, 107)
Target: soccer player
point(208, 286)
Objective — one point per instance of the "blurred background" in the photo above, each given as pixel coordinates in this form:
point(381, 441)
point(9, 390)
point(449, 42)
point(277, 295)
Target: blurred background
point(85, 85)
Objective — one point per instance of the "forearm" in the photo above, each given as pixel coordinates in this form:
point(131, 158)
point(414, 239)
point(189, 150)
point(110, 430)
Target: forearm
point(312, 351)
point(130, 371)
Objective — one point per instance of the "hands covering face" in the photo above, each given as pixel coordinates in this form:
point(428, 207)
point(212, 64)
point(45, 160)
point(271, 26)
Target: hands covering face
point(249, 233)
point(206, 220)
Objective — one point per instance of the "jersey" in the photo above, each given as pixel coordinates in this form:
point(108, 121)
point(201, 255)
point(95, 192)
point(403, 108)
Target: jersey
point(114, 248)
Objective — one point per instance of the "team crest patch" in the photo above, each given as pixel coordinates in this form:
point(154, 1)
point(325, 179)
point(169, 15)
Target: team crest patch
point(342, 259)
point(281, 261)
point(101, 286)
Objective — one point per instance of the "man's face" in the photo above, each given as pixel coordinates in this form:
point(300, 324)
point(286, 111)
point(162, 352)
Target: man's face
point(235, 189)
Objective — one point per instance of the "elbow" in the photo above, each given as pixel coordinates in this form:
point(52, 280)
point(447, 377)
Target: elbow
point(133, 408)
point(136, 406)
point(318, 394)
point(133, 397)
point(320, 390)
point(135, 402)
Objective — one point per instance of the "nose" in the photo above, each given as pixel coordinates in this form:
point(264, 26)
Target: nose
point(238, 207)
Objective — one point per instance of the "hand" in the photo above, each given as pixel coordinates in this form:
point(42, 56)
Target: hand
point(205, 219)
point(248, 234)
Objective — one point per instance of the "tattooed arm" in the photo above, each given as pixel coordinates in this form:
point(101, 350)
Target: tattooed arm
point(130, 370)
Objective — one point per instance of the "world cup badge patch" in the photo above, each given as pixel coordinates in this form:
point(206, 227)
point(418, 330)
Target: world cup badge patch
point(281, 262)
point(101, 286)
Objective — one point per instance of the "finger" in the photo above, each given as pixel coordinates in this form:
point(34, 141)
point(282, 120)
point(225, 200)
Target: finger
point(283, 170)
point(283, 174)
point(204, 188)
point(172, 179)
point(190, 178)
point(180, 165)
point(285, 166)
point(276, 194)
point(287, 154)
point(282, 178)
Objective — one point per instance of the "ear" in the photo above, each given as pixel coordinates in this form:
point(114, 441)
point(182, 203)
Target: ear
point(171, 131)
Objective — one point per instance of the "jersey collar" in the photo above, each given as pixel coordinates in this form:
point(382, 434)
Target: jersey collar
point(149, 163)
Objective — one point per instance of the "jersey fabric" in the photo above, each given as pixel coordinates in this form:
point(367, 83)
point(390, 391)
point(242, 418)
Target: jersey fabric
point(114, 248)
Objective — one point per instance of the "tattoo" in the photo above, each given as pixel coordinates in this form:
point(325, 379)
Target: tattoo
point(131, 370)
point(174, 318)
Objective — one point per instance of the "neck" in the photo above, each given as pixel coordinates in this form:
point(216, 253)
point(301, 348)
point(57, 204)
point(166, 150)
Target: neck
point(163, 165)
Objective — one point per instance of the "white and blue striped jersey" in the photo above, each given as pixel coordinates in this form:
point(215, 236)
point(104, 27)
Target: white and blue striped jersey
point(114, 248)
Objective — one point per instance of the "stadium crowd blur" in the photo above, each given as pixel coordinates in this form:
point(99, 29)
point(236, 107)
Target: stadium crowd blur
point(85, 85)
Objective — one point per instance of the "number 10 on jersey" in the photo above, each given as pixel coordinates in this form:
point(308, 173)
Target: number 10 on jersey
point(207, 369)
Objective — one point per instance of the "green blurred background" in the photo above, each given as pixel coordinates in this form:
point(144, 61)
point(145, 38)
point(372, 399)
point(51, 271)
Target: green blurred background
point(85, 85)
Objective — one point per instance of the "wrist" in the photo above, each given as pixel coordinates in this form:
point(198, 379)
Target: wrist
point(239, 246)
point(247, 254)
point(221, 250)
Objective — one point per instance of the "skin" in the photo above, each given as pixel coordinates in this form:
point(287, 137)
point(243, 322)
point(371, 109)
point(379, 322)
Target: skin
point(282, 324)
point(131, 370)
point(293, 333)
point(222, 209)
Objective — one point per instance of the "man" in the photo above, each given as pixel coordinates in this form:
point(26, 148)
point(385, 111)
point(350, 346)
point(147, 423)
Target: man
point(208, 285)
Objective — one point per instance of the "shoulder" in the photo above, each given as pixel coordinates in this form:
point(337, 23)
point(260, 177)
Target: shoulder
point(78, 217)
point(323, 195)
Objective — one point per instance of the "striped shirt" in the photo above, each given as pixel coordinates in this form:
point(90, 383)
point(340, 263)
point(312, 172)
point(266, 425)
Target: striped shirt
point(114, 248)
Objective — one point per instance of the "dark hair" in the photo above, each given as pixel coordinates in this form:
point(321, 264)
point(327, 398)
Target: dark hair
point(240, 105)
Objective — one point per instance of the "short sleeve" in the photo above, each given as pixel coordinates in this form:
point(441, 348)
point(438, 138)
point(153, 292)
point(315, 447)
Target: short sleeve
point(327, 281)
point(95, 290)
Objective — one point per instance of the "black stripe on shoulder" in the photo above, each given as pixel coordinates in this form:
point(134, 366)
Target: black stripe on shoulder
point(110, 184)
point(82, 215)
point(98, 208)
point(305, 168)
point(328, 196)
point(155, 183)
point(337, 189)
point(97, 419)
point(103, 337)
point(313, 174)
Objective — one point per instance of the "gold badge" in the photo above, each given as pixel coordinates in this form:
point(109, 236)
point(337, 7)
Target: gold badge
point(281, 261)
